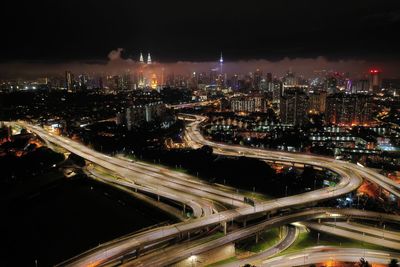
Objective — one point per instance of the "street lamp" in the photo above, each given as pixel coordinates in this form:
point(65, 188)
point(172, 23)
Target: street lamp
point(192, 258)
point(383, 231)
point(363, 243)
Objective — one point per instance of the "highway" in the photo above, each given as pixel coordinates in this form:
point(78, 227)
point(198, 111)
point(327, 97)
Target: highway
point(196, 139)
point(194, 104)
point(183, 251)
point(330, 255)
point(331, 229)
point(370, 230)
point(289, 238)
point(186, 189)
point(167, 181)
point(153, 176)
point(196, 208)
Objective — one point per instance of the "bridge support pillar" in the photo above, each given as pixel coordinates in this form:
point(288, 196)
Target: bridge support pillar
point(244, 223)
point(158, 197)
point(184, 208)
point(319, 220)
point(188, 235)
point(224, 225)
point(257, 237)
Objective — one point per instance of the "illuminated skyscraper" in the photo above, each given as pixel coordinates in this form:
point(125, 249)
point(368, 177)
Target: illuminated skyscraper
point(141, 83)
point(317, 102)
point(141, 58)
point(257, 79)
point(69, 81)
point(148, 58)
point(293, 107)
point(221, 78)
point(349, 109)
point(221, 62)
point(374, 80)
point(154, 81)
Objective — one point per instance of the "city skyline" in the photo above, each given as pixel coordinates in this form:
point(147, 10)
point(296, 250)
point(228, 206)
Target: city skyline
point(116, 65)
point(200, 133)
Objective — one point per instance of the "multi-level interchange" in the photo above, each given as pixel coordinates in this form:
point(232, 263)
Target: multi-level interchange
point(215, 206)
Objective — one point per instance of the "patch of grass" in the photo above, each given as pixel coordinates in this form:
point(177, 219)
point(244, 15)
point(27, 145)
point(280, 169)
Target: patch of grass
point(257, 196)
point(225, 261)
point(218, 235)
point(105, 172)
point(303, 240)
point(266, 240)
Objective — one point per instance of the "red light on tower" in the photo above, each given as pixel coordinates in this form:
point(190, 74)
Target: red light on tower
point(372, 71)
point(374, 80)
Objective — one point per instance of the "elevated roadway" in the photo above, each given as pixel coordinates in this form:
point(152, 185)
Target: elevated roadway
point(165, 180)
point(195, 139)
point(330, 256)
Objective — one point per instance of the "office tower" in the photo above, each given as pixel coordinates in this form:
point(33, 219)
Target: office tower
point(269, 77)
point(257, 79)
point(349, 109)
point(253, 103)
point(374, 81)
point(69, 81)
point(293, 107)
point(221, 63)
point(141, 60)
point(317, 102)
point(360, 86)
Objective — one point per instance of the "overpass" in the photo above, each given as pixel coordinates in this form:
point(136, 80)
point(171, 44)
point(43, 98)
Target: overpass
point(179, 252)
point(196, 139)
point(329, 256)
point(165, 180)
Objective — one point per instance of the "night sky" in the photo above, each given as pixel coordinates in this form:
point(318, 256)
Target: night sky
point(198, 30)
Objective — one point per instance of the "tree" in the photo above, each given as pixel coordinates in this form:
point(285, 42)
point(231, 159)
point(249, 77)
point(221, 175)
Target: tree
point(206, 150)
point(394, 263)
point(363, 263)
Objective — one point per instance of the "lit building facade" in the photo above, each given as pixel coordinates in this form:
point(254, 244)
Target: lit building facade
point(136, 115)
point(254, 103)
point(293, 107)
point(317, 102)
point(349, 109)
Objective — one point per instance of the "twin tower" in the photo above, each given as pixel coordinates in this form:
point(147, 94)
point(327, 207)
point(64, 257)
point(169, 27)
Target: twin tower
point(141, 60)
point(148, 58)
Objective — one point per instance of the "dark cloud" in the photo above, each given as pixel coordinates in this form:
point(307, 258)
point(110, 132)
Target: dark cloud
point(178, 30)
point(116, 64)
